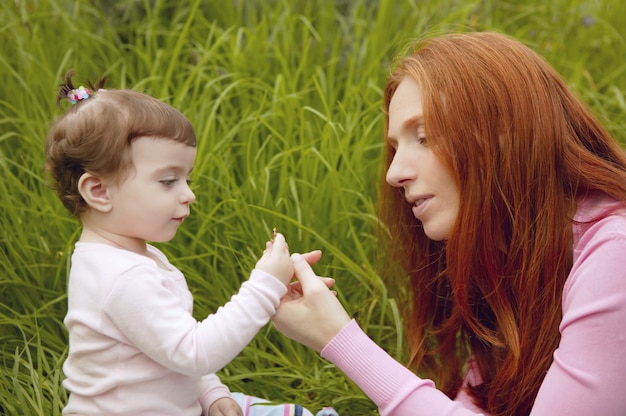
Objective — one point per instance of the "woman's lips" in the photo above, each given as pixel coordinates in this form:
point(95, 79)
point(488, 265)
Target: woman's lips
point(420, 205)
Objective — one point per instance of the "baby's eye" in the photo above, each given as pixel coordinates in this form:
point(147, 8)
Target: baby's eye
point(168, 182)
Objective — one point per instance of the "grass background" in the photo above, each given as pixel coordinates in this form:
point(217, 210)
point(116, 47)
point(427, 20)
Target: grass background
point(285, 97)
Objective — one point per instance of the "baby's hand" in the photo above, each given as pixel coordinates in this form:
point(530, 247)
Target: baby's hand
point(225, 406)
point(276, 259)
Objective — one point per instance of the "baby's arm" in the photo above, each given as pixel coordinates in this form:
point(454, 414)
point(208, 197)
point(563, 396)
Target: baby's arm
point(157, 321)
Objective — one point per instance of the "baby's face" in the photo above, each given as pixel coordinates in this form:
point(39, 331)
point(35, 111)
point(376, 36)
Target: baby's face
point(154, 198)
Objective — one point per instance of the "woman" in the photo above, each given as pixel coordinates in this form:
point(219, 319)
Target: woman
point(506, 201)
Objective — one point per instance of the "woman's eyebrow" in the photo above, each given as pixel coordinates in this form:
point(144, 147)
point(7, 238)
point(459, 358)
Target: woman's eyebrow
point(413, 122)
point(410, 123)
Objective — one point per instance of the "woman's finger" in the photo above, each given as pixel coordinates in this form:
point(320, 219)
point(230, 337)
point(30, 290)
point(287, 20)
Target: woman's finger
point(303, 272)
point(312, 257)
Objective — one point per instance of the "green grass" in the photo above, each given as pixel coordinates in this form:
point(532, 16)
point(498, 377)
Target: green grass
point(285, 97)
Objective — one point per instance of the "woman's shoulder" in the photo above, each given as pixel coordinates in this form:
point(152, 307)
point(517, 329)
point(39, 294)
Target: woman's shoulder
point(599, 251)
point(598, 216)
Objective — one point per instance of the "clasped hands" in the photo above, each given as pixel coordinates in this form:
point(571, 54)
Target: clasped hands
point(310, 312)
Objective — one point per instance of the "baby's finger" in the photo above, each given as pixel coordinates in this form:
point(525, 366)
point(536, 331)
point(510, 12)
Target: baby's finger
point(268, 248)
point(279, 243)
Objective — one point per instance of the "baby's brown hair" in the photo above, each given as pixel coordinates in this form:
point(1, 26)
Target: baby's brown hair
point(95, 134)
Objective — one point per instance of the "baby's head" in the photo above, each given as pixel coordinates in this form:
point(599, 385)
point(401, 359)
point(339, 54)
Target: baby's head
point(95, 134)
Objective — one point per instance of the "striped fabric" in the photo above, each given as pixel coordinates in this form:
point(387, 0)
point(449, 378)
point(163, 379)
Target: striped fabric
point(253, 406)
point(327, 411)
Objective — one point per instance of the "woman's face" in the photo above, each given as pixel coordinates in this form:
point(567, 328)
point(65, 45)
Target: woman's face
point(429, 187)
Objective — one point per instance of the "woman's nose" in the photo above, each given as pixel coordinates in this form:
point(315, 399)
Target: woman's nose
point(400, 170)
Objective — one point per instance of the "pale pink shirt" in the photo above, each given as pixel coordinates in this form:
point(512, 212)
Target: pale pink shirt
point(588, 372)
point(135, 348)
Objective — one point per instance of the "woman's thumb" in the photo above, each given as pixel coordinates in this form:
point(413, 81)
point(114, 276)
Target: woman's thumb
point(302, 269)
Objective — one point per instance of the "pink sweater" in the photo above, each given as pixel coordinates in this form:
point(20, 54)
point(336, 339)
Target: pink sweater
point(135, 348)
point(588, 372)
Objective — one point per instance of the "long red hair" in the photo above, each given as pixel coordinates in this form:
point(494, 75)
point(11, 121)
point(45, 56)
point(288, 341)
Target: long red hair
point(523, 149)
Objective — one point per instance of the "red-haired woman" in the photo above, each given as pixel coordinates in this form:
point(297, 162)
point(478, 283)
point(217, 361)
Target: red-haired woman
point(506, 203)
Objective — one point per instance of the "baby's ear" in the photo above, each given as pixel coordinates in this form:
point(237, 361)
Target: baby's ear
point(94, 191)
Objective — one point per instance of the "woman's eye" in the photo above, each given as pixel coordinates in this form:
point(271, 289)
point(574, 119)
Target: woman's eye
point(422, 140)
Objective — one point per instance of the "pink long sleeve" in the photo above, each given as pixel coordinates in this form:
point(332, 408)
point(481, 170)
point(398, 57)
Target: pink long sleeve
point(390, 385)
point(588, 372)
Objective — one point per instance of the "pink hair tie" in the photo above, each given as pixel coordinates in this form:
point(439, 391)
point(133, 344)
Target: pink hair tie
point(78, 94)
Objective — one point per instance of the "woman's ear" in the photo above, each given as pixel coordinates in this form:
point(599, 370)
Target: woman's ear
point(94, 191)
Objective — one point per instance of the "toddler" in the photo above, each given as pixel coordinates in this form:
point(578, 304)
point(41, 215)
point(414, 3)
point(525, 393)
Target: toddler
point(120, 161)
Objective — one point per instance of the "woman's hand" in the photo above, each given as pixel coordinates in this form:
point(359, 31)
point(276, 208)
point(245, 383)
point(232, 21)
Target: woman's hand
point(225, 406)
point(310, 312)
